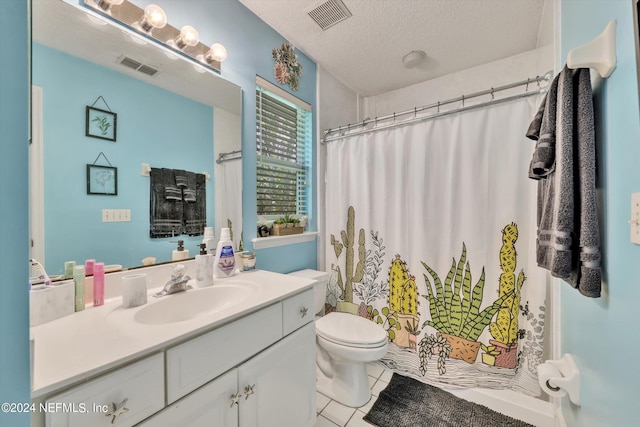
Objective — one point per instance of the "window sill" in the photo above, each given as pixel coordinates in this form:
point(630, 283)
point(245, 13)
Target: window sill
point(273, 241)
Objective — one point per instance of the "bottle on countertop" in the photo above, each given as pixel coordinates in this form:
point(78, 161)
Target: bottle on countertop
point(98, 284)
point(224, 264)
point(209, 239)
point(78, 280)
point(180, 252)
point(204, 267)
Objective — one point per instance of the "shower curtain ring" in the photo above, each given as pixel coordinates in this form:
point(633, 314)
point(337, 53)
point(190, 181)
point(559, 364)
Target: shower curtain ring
point(526, 89)
point(438, 106)
point(538, 80)
point(463, 100)
point(492, 94)
point(394, 117)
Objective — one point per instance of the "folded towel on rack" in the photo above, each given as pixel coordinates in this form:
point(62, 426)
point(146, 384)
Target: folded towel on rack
point(171, 190)
point(189, 191)
point(181, 178)
point(195, 213)
point(165, 214)
point(568, 231)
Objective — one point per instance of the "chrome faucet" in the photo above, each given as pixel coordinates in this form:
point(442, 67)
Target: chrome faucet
point(178, 282)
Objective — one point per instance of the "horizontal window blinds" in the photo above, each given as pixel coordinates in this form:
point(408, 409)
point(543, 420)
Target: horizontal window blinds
point(283, 142)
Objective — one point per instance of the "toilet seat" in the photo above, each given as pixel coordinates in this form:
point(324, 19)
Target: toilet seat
point(350, 330)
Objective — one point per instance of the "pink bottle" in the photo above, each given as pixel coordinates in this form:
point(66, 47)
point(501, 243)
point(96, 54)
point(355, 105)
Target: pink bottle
point(98, 284)
point(88, 266)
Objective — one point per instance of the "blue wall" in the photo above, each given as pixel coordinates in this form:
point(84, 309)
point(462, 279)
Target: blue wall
point(249, 42)
point(603, 333)
point(14, 226)
point(154, 126)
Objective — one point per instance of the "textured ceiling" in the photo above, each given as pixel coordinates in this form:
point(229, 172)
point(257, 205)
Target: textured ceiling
point(365, 51)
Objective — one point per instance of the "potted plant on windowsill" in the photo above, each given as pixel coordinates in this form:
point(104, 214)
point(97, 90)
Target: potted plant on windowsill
point(286, 225)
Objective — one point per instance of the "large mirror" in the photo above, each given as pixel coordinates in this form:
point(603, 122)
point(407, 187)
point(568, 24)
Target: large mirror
point(169, 113)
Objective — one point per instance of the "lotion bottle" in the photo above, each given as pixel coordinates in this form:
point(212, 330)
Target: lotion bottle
point(180, 253)
point(204, 267)
point(98, 284)
point(78, 280)
point(224, 264)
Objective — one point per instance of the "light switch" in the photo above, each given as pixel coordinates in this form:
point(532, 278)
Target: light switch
point(116, 215)
point(634, 222)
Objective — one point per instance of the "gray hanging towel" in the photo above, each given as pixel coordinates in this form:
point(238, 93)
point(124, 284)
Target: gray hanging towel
point(189, 191)
point(181, 178)
point(171, 190)
point(568, 235)
point(195, 213)
point(165, 214)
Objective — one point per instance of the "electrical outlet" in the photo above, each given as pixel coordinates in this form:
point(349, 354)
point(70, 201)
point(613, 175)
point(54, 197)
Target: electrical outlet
point(116, 215)
point(634, 222)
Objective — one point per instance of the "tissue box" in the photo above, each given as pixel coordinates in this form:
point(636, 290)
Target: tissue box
point(51, 302)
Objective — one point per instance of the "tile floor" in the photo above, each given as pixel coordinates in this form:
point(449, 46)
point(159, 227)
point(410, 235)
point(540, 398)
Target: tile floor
point(332, 413)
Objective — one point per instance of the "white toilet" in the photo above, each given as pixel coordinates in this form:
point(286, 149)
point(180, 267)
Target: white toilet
point(345, 343)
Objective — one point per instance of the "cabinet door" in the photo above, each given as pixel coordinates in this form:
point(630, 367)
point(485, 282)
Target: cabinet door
point(211, 405)
point(279, 384)
point(137, 390)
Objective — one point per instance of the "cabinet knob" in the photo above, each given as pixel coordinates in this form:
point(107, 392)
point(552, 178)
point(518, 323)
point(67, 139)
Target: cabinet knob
point(117, 410)
point(303, 311)
point(248, 391)
point(235, 399)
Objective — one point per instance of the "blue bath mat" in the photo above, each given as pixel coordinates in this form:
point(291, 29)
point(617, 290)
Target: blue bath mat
point(406, 402)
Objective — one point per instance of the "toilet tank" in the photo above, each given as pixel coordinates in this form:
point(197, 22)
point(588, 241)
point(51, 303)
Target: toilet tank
point(319, 288)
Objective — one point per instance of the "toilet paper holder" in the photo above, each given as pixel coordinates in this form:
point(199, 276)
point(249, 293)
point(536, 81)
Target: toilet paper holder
point(560, 377)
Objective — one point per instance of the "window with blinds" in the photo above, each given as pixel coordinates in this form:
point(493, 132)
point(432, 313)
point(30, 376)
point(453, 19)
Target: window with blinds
point(283, 143)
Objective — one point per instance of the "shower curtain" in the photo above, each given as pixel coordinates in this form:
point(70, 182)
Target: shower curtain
point(431, 235)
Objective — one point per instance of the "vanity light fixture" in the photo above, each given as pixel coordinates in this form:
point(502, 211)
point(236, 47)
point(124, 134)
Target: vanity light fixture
point(188, 37)
point(153, 17)
point(216, 52)
point(151, 23)
point(106, 5)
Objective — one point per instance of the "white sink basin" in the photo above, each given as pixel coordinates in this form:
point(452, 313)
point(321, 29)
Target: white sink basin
point(187, 305)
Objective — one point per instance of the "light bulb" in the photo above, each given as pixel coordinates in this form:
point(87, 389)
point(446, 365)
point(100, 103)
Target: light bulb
point(106, 5)
point(154, 17)
point(188, 37)
point(217, 52)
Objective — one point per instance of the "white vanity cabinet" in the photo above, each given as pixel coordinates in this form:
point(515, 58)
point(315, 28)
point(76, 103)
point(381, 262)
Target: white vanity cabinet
point(137, 388)
point(255, 370)
point(275, 388)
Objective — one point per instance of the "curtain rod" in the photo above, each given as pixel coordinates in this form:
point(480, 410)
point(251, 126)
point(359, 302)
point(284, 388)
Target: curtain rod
point(536, 80)
point(231, 155)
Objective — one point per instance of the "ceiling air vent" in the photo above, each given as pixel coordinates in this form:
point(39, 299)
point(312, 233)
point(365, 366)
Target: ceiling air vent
point(329, 13)
point(135, 65)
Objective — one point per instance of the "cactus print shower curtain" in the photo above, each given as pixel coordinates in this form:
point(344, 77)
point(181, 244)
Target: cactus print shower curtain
point(431, 235)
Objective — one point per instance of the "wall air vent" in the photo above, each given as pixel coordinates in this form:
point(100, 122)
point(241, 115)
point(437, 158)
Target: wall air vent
point(329, 13)
point(135, 65)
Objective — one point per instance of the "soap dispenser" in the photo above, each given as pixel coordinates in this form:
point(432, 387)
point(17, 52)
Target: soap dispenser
point(180, 253)
point(204, 267)
point(224, 263)
point(209, 240)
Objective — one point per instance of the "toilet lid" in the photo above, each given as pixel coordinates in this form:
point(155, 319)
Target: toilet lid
point(351, 330)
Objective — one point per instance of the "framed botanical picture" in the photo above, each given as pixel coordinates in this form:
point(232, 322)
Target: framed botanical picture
point(102, 180)
point(101, 124)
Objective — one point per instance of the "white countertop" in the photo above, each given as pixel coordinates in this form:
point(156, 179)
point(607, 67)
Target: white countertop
point(74, 348)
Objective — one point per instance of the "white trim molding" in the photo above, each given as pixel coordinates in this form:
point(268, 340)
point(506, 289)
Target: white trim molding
point(273, 241)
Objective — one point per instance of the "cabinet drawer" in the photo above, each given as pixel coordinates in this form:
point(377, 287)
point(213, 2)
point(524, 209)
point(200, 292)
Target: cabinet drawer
point(202, 359)
point(297, 311)
point(141, 383)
